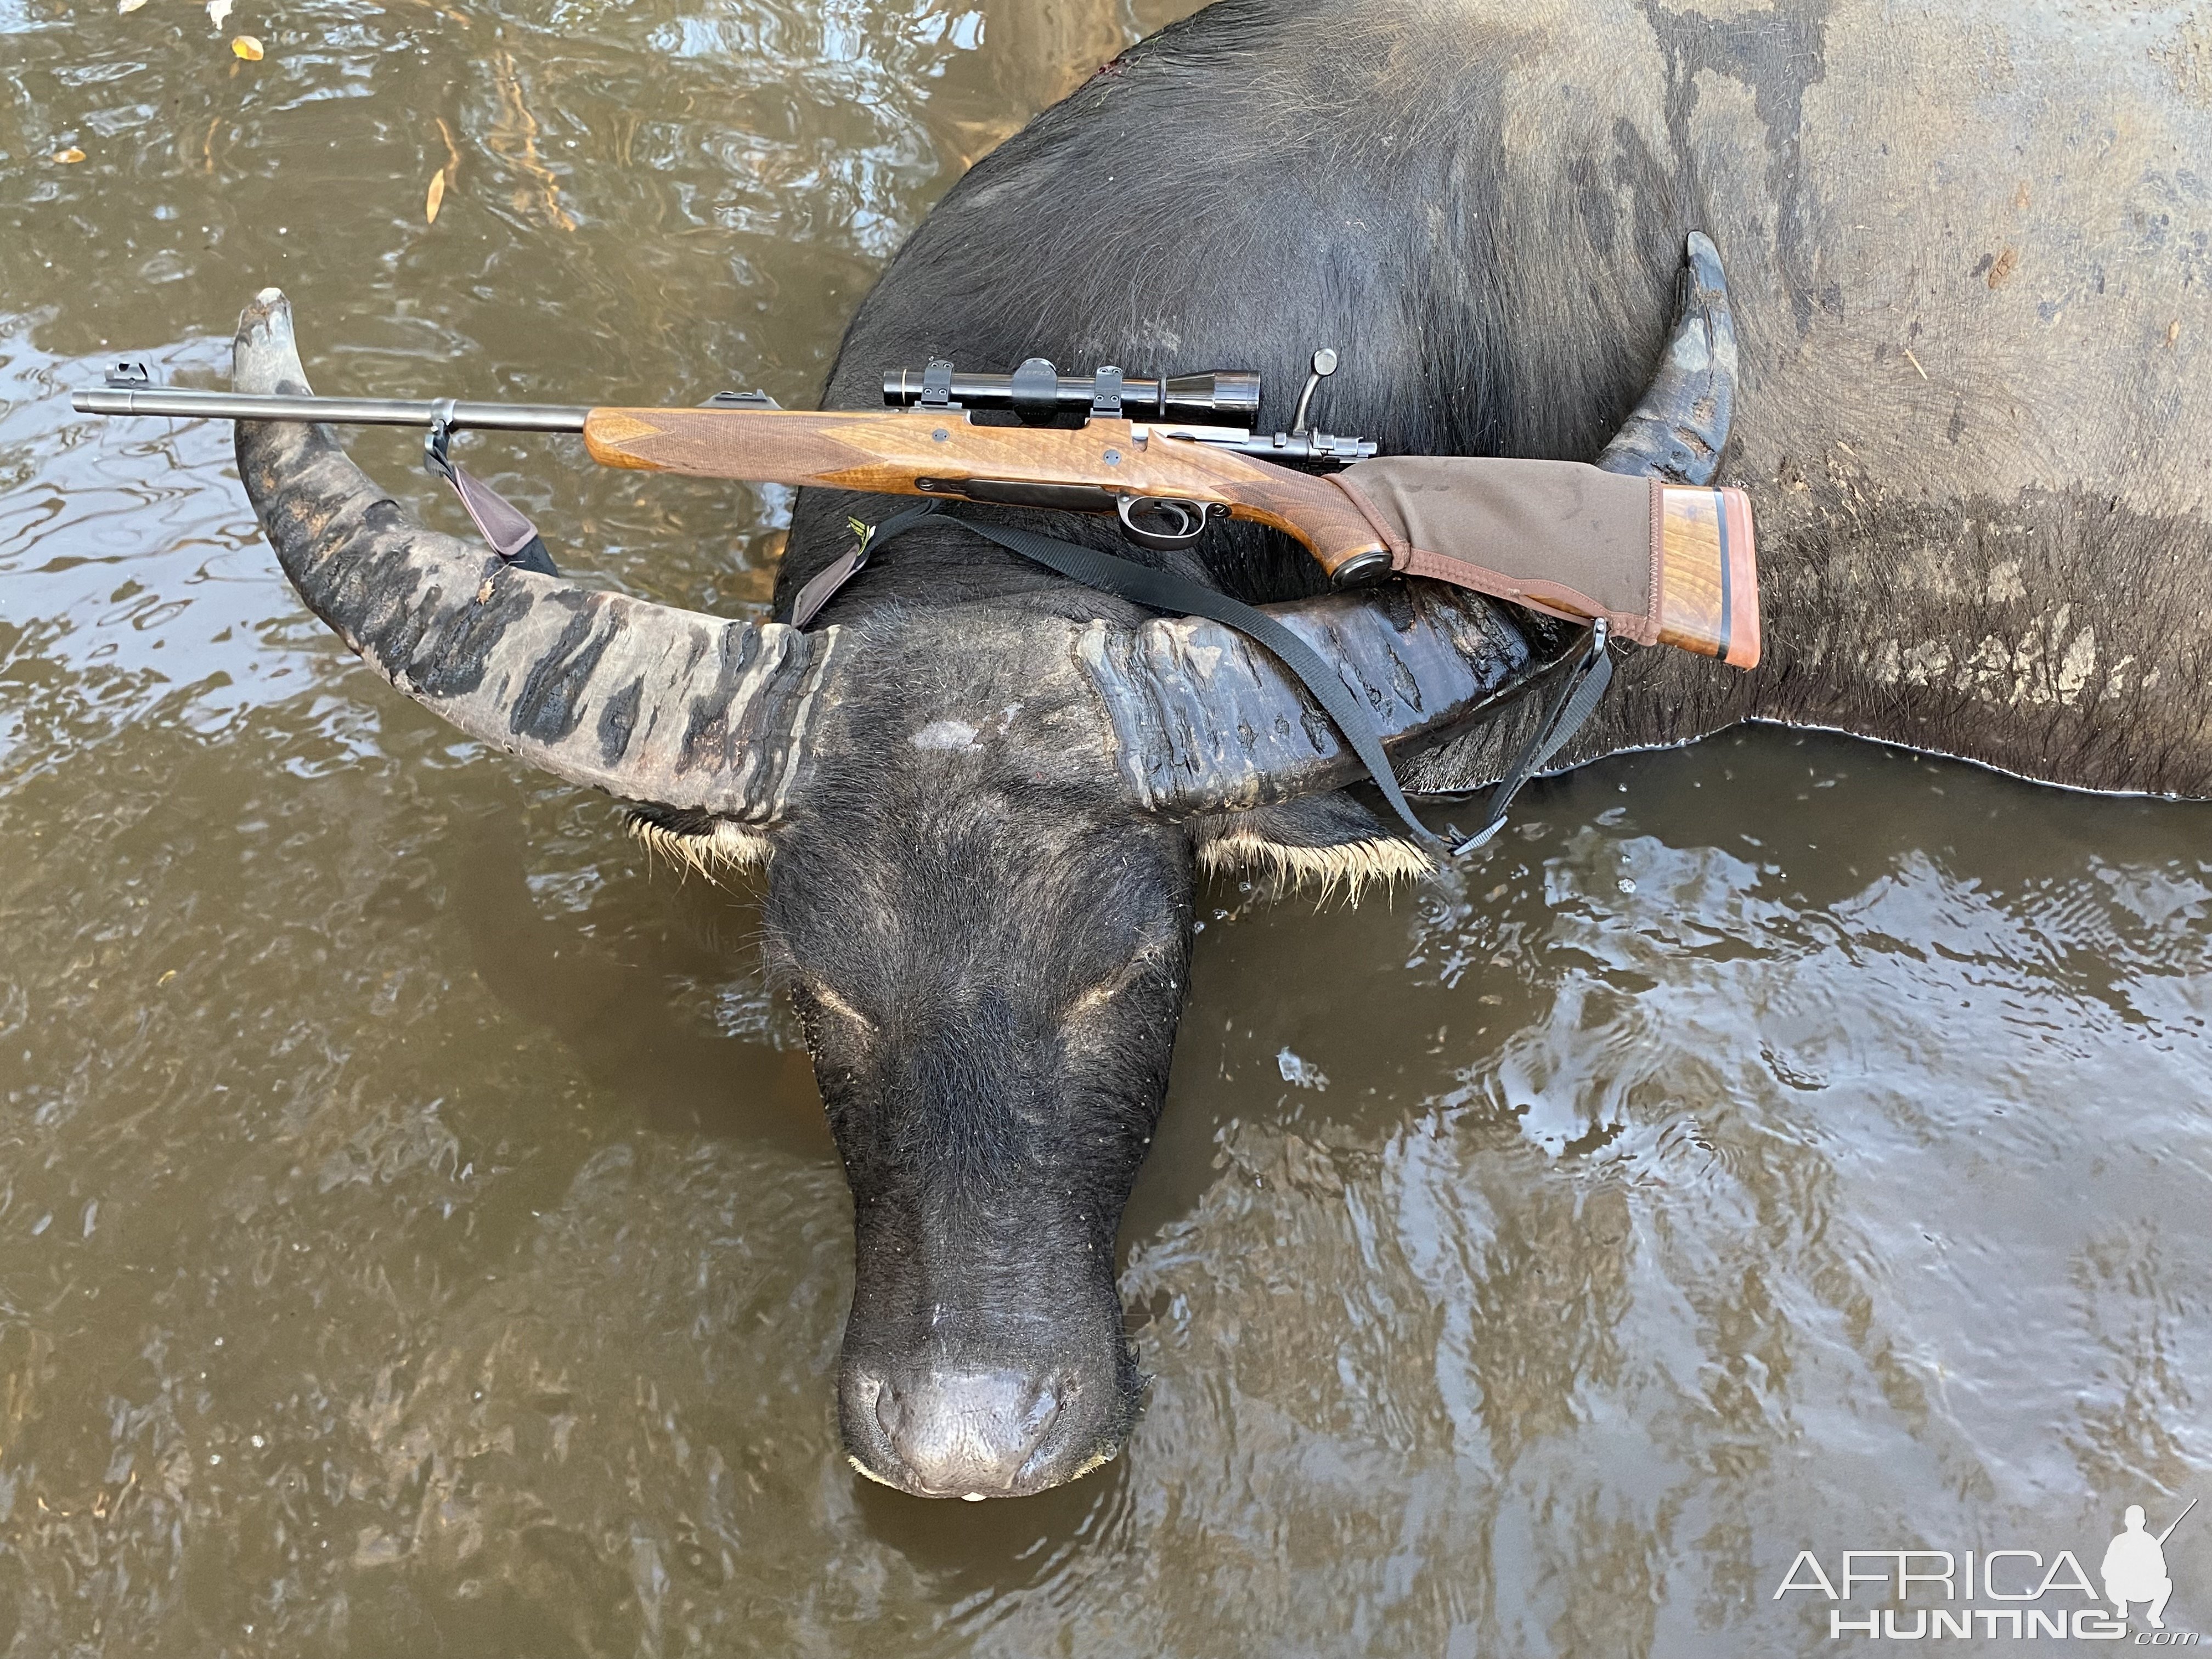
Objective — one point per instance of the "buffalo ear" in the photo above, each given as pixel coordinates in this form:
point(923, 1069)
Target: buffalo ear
point(1326, 842)
point(700, 840)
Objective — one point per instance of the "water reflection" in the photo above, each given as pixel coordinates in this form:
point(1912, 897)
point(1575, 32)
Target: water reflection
point(1763, 1144)
point(417, 1229)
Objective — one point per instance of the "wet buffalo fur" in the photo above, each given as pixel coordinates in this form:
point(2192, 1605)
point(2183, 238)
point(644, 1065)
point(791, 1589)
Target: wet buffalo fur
point(1484, 217)
point(989, 975)
point(990, 980)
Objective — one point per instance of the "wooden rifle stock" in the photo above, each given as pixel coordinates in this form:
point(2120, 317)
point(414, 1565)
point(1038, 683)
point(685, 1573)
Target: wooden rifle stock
point(909, 452)
point(1707, 571)
point(1708, 574)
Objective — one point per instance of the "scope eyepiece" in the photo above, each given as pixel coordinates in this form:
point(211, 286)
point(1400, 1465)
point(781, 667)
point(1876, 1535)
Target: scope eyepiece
point(1039, 391)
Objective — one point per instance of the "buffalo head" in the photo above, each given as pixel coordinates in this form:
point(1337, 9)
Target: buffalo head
point(979, 821)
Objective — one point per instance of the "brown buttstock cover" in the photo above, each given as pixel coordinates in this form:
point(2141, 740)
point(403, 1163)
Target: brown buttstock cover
point(1664, 564)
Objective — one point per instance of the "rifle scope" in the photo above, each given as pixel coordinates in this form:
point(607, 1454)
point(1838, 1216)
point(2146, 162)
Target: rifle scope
point(1038, 391)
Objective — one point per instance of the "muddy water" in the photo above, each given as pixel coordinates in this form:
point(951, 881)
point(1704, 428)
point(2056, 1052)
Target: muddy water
point(417, 1234)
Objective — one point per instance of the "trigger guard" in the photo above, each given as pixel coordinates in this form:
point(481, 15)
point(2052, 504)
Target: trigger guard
point(1193, 515)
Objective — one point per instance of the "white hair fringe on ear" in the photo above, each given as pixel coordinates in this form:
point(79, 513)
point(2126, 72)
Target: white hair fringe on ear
point(725, 849)
point(1351, 867)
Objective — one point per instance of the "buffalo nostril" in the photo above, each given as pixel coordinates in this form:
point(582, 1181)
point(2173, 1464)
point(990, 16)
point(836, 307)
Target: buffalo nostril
point(968, 1433)
point(889, 1414)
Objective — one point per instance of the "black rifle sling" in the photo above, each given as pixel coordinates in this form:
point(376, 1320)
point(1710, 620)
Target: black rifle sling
point(1590, 668)
point(1163, 592)
point(1571, 703)
point(823, 586)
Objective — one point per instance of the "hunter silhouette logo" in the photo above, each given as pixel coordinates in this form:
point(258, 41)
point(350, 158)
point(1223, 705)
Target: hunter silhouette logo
point(1922, 1595)
point(2135, 1567)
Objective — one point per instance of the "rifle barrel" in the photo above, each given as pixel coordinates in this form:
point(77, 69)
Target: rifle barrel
point(2176, 1522)
point(340, 412)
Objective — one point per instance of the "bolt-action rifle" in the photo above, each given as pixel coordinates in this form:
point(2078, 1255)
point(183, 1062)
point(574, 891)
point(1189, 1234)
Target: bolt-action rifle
point(1164, 456)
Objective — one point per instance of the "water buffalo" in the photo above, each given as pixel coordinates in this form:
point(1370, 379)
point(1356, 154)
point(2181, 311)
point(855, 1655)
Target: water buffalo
point(1967, 244)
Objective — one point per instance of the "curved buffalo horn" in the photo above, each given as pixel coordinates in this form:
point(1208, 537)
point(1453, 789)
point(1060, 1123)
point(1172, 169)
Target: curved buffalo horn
point(1680, 428)
point(1206, 722)
point(641, 699)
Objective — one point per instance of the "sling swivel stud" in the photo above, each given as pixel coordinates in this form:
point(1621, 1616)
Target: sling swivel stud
point(435, 460)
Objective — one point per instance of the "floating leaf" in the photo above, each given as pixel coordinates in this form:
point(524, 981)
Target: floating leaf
point(217, 10)
point(66, 156)
point(513, 139)
point(248, 47)
point(436, 197)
